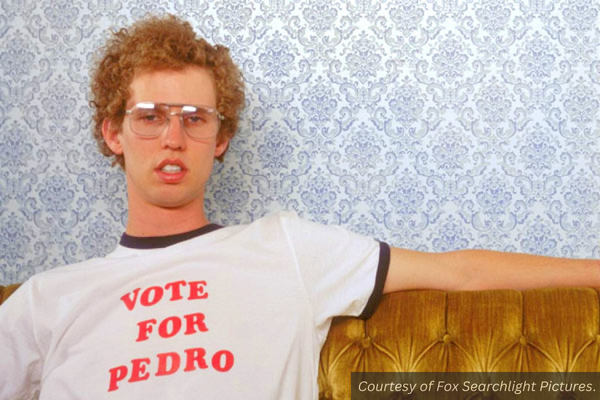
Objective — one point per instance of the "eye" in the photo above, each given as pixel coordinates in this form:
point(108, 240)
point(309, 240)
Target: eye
point(196, 118)
point(149, 116)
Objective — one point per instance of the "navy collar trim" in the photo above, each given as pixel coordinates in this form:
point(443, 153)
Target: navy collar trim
point(159, 242)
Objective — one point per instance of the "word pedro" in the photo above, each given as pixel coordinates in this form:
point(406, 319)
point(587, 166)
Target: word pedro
point(168, 364)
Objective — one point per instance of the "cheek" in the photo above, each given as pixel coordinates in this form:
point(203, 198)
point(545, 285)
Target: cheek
point(138, 147)
point(204, 152)
point(137, 154)
point(203, 160)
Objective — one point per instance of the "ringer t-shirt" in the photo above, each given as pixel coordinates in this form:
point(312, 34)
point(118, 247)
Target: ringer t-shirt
point(216, 313)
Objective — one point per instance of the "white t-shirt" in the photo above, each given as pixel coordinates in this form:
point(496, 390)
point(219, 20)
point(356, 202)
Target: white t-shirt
point(231, 313)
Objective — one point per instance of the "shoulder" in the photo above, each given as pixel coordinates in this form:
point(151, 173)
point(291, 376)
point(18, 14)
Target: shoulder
point(61, 280)
point(295, 227)
point(277, 221)
point(278, 217)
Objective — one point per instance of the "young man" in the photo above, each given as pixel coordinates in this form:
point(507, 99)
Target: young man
point(187, 309)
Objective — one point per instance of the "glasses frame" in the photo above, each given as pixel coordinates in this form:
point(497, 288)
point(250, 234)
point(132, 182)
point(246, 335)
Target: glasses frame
point(207, 109)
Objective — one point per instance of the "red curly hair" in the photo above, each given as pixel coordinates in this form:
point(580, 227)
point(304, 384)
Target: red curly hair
point(159, 43)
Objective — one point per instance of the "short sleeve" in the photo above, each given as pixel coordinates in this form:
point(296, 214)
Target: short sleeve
point(20, 363)
point(343, 272)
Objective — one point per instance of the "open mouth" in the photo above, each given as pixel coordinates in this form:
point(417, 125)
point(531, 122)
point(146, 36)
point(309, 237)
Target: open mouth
point(171, 169)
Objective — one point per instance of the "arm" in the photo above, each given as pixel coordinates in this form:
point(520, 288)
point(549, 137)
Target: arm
point(486, 270)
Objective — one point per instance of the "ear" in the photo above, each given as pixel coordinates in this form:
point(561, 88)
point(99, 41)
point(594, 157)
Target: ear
point(221, 147)
point(112, 138)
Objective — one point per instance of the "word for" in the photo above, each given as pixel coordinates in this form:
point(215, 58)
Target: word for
point(171, 326)
point(193, 290)
point(168, 364)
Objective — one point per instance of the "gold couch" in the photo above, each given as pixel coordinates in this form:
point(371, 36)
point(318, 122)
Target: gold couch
point(544, 330)
point(431, 331)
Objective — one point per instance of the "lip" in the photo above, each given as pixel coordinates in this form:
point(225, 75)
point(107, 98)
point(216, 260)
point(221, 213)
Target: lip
point(171, 178)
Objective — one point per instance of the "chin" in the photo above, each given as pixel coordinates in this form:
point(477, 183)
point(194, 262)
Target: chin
point(173, 203)
point(179, 200)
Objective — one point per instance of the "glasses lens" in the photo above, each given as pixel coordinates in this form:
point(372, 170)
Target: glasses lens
point(200, 122)
point(149, 119)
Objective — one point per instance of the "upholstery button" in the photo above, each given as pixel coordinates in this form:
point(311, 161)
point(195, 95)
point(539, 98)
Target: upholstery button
point(328, 394)
point(446, 338)
point(523, 340)
point(365, 343)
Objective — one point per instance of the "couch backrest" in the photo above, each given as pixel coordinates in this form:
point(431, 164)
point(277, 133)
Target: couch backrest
point(543, 330)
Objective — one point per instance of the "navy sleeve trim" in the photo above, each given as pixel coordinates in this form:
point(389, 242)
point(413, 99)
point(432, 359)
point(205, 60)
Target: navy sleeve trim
point(382, 271)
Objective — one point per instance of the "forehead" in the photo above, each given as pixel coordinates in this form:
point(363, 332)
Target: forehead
point(190, 85)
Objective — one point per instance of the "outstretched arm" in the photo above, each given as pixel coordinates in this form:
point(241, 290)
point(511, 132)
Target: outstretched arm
point(486, 270)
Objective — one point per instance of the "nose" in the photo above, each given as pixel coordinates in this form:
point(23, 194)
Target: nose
point(174, 137)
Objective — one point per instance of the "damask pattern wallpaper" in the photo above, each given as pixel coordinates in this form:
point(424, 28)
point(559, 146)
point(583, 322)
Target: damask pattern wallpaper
point(433, 125)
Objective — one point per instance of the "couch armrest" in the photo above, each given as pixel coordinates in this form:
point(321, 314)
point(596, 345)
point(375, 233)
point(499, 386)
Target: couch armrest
point(542, 330)
point(6, 291)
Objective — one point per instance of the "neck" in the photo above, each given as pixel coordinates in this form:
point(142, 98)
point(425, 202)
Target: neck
point(150, 220)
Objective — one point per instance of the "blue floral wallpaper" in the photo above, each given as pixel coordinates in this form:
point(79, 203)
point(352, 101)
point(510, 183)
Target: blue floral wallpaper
point(433, 125)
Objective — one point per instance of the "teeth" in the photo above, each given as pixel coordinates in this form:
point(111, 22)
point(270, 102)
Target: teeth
point(171, 169)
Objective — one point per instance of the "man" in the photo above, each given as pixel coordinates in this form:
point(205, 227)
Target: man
point(187, 309)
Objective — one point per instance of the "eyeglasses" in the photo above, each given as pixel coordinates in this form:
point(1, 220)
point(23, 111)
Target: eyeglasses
point(149, 120)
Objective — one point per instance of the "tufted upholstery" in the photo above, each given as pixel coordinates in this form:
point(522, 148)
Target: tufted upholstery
point(433, 331)
point(547, 330)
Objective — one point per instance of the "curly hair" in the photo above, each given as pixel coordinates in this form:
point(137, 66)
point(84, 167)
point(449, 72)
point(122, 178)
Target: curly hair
point(160, 43)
